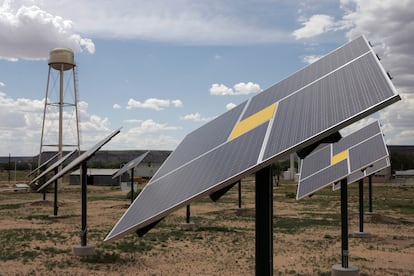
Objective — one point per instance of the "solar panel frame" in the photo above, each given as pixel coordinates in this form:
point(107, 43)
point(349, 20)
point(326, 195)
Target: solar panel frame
point(266, 149)
point(130, 165)
point(54, 166)
point(363, 148)
point(80, 159)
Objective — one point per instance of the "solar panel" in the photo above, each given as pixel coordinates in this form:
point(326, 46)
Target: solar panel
point(353, 153)
point(130, 165)
point(358, 175)
point(314, 103)
point(54, 166)
point(82, 158)
point(44, 164)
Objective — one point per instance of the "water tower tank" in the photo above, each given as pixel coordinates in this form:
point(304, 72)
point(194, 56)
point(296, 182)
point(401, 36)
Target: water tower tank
point(62, 58)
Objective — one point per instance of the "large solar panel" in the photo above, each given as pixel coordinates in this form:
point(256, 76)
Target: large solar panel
point(130, 165)
point(355, 152)
point(358, 175)
point(82, 158)
point(54, 166)
point(312, 104)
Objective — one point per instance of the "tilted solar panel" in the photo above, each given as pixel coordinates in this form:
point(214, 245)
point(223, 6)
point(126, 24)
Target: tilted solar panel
point(358, 175)
point(54, 165)
point(82, 158)
point(314, 103)
point(130, 165)
point(44, 164)
point(353, 153)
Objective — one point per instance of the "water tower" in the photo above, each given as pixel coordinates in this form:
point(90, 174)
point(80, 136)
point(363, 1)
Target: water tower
point(60, 126)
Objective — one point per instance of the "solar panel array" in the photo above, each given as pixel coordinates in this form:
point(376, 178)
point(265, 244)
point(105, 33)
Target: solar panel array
point(130, 165)
point(54, 166)
point(358, 175)
point(44, 164)
point(353, 153)
point(82, 158)
point(317, 101)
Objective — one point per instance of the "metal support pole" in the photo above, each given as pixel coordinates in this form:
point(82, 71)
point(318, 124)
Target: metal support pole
point(361, 205)
point(344, 222)
point(55, 200)
point(370, 192)
point(188, 213)
point(240, 197)
point(132, 185)
point(84, 203)
point(264, 222)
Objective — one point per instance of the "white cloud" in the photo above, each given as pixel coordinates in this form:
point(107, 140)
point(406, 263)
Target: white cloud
point(316, 25)
point(153, 103)
point(311, 59)
point(182, 21)
point(150, 126)
point(2, 84)
point(177, 103)
point(238, 89)
point(230, 106)
point(196, 117)
point(21, 125)
point(116, 106)
point(28, 32)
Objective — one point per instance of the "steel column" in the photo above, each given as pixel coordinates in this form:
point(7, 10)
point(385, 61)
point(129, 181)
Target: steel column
point(264, 222)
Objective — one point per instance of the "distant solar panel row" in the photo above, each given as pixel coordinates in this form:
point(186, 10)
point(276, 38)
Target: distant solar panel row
point(130, 165)
point(78, 161)
point(358, 175)
point(353, 153)
point(308, 106)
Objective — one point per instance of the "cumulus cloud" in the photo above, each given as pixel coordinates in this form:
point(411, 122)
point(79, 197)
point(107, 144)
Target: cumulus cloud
point(2, 84)
point(311, 59)
point(195, 117)
point(23, 117)
point(316, 25)
point(116, 106)
point(153, 103)
point(28, 32)
point(238, 89)
point(230, 106)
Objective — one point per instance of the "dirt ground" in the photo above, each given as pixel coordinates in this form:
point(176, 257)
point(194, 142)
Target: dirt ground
point(306, 234)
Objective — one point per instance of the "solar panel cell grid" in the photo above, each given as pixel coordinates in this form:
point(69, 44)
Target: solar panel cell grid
point(315, 102)
point(359, 150)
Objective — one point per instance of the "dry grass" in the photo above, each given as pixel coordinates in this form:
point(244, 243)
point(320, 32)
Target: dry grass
point(306, 235)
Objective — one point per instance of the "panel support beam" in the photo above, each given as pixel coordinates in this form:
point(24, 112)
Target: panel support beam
point(55, 198)
point(84, 184)
point(132, 185)
point(361, 205)
point(264, 222)
point(344, 222)
point(370, 193)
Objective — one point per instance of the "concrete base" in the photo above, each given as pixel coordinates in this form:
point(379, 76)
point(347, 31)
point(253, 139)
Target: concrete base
point(358, 234)
point(338, 270)
point(79, 250)
point(191, 226)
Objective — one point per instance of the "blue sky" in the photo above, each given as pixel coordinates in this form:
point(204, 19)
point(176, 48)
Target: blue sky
point(161, 69)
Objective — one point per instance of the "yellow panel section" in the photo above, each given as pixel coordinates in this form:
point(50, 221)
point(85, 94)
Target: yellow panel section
point(339, 157)
point(253, 121)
